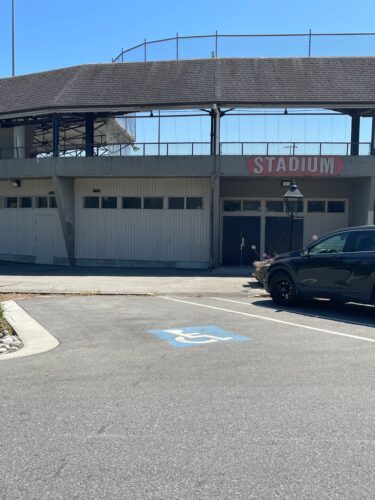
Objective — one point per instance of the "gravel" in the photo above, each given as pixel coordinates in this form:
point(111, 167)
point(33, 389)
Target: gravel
point(9, 343)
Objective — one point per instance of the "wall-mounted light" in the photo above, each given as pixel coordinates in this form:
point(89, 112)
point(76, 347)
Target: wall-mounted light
point(151, 114)
point(16, 183)
point(285, 111)
point(286, 183)
point(51, 192)
point(96, 190)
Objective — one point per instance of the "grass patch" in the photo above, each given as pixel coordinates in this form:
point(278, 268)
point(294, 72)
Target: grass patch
point(4, 325)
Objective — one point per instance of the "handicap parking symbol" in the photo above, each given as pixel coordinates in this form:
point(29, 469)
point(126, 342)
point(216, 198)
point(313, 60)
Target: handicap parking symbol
point(194, 336)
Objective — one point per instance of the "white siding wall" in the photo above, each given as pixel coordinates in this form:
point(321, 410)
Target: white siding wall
point(143, 235)
point(18, 224)
point(321, 224)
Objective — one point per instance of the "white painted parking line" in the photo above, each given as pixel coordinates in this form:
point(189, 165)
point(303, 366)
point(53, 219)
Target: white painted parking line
point(273, 320)
point(333, 318)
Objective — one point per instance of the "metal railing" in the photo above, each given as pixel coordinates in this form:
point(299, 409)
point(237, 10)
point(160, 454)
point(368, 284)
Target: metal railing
point(217, 47)
point(291, 148)
point(294, 148)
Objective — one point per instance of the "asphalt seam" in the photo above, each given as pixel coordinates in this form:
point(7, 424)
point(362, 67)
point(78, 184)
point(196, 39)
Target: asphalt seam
point(35, 337)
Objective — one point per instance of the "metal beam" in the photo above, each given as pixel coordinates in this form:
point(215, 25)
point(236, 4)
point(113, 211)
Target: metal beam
point(55, 135)
point(215, 114)
point(89, 134)
point(372, 147)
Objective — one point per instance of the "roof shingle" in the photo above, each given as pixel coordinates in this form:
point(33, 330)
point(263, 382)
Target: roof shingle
point(340, 81)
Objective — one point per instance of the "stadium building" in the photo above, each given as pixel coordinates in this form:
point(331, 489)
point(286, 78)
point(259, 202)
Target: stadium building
point(77, 189)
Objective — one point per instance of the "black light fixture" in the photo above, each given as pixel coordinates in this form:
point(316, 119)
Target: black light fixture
point(293, 199)
point(285, 111)
point(16, 183)
point(96, 190)
point(151, 114)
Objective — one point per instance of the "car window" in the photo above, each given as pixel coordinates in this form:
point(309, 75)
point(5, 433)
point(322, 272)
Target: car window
point(332, 244)
point(364, 241)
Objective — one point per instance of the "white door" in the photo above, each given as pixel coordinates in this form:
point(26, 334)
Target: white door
point(44, 243)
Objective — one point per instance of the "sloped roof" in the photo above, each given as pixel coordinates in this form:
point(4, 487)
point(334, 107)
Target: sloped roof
point(318, 82)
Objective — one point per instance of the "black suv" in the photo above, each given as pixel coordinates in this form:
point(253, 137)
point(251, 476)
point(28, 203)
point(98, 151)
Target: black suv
point(339, 266)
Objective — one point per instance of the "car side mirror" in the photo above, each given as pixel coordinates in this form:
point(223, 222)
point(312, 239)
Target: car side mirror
point(306, 252)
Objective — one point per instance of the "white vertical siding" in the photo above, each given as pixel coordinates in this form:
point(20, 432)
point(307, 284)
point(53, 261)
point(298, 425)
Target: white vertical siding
point(321, 224)
point(143, 235)
point(18, 224)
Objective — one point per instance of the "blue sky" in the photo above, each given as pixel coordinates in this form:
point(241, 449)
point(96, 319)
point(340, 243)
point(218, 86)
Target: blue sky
point(52, 34)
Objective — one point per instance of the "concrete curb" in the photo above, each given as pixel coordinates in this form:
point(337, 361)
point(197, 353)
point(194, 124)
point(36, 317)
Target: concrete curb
point(35, 338)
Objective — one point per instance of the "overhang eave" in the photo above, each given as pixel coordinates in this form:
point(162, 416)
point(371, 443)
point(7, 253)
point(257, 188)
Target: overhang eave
point(363, 108)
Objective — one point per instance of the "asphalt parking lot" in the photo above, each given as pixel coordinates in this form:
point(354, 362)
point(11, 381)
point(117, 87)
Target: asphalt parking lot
point(191, 397)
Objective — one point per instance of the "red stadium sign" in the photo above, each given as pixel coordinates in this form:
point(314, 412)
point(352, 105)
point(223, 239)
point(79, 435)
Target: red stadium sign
point(296, 166)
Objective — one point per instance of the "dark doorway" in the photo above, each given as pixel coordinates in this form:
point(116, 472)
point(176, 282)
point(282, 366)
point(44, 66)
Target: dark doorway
point(278, 235)
point(239, 233)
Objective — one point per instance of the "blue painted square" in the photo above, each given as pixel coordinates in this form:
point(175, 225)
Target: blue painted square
point(193, 336)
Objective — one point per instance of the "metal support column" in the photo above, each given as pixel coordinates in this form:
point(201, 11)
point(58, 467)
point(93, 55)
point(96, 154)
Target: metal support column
point(215, 187)
point(215, 115)
point(372, 146)
point(89, 134)
point(212, 133)
point(354, 150)
point(55, 135)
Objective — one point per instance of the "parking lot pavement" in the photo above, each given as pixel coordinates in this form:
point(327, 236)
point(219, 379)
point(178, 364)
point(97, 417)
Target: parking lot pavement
point(174, 397)
point(31, 278)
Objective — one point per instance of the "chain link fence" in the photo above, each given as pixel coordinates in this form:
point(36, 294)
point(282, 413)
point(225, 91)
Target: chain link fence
point(251, 45)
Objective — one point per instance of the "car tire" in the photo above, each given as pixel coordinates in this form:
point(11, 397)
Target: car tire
point(283, 290)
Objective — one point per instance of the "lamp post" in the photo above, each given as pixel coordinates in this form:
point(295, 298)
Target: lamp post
point(293, 203)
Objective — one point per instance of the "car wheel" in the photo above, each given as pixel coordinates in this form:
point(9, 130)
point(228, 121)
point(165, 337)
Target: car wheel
point(283, 290)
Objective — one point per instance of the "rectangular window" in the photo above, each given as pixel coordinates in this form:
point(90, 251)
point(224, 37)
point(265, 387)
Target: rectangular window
point(25, 202)
point(91, 202)
point(275, 206)
point(109, 202)
point(251, 205)
point(52, 202)
point(194, 203)
point(41, 202)
point(176, 203)
point(316, 206)
point(153, 202)
point(232, 205)
point(10, 202)
point(335, 207)
point(132, 202)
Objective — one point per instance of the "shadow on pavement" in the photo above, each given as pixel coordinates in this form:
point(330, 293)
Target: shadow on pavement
point(254, 285)
point(325, 309)
point(20, 269)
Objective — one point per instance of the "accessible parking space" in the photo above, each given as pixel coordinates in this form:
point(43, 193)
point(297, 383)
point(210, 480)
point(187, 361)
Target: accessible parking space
point(260, 403)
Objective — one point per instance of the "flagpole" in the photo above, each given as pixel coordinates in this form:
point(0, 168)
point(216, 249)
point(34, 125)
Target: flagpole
point(13, 50)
